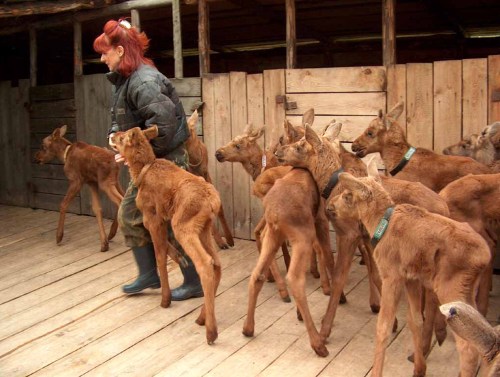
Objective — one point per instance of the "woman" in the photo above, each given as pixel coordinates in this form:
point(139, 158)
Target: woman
point(142, 96)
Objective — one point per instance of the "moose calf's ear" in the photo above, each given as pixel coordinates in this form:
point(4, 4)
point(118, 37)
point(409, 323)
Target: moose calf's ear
point(151, 132)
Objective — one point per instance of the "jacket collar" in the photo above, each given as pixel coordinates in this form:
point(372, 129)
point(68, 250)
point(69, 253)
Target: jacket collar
point(115, 78)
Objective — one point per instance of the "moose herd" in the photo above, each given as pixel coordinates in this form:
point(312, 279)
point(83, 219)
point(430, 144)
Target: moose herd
point(428, 226)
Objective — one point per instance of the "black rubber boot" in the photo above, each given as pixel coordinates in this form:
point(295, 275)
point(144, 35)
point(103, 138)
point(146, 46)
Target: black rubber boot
point(191, 286)
point(148, 274)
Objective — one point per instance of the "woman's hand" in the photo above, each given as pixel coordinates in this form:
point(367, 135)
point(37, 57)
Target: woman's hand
point(119, 158)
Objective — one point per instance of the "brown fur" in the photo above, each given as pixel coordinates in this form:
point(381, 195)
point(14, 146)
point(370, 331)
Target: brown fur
point(478, 147)
point(84, 164)
point(492, 132)
point(321, 158)
point(469, 324)
point(384, 135)
point(475, 199)
point(246, 150)
point(293, 211)
point(417, 248)
point(198, 165)
point(167, 193)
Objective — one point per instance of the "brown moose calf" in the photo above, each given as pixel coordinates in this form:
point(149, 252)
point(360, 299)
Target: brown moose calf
point(415, 247)
point(167, 193)
point(84, 164)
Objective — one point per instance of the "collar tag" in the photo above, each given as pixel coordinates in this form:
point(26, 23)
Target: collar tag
point(409, 153)
point(264, 161)
point(382, 226)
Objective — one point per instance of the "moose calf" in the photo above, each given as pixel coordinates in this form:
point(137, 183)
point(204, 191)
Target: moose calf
point(414, 247)
point(167, 193)
point(84, 164)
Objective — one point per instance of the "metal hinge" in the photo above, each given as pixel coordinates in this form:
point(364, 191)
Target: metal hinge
point(288, 105)
point(495, 95)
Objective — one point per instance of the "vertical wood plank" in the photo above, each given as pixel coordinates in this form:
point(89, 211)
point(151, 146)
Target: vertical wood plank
point(19, 161)
point(255, 103)
point(474, 96)
point(135, 17)
point(203, 36)
point(5, 126)
point(447, 103)
point(33, 57)
point(291, 35)
point(419, 110)
point(274, 113)
point(396, 89)
point(389, 32)
point(177, 32)
point(77, 48)
point(241, 179)
point(92, 100)
point(208, 98)
point(493, 86)
point(222, 122)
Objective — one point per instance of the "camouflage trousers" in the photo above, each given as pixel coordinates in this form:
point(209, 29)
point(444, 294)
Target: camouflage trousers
point(129, 216)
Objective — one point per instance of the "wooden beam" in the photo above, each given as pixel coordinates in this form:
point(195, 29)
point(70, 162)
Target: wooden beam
point(291, 35)
point(136, 19)
point(31, 8)
point(177, 32)
point(112, 10)
point(203, 37)
point(33, 57)
point(77, 48)
point(389, 32)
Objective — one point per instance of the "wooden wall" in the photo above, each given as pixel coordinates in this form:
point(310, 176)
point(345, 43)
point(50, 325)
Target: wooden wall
point(233, 100)
point(444, 101)
point(14, 144)
point(51, 106)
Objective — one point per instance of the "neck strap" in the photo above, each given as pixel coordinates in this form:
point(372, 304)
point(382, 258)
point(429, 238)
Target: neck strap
point(143, 172)
point(403, 161)
point(334, 179)
point(382, 226)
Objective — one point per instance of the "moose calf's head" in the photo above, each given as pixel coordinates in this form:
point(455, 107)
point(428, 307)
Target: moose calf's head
point(373, 138)
point(242, 147)
point(134, 144)
point(52, 146)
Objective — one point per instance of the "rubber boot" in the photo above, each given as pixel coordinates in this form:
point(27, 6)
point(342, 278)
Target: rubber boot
point(148, 274)
point(191, 286)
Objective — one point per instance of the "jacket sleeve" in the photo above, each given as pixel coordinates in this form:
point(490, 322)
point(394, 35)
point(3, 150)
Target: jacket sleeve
point(154, 107)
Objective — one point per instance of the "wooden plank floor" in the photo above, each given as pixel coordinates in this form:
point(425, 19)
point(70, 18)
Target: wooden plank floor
point(62, 313)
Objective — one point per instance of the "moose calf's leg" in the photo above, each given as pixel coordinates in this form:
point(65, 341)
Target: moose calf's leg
point(96, 207)
point(73, 189)
point(270, 244)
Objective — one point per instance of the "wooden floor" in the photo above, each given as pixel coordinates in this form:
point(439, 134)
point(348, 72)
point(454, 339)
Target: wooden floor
point(62, 313)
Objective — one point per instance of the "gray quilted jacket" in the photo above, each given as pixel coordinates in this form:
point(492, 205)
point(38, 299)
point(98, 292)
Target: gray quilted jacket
point(147, 97)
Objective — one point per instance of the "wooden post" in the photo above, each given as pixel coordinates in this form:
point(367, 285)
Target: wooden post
point(136, 19)
point(203, 37)
point(389, 32)
point(77, 48)
point(33, 57)
point(177, 31)
point(291, 35)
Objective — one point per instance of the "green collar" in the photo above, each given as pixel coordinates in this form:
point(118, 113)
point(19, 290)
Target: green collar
point(403, 161)
point(382, 226)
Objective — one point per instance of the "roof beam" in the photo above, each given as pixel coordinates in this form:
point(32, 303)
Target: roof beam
point(88, 15)
point(32, 8)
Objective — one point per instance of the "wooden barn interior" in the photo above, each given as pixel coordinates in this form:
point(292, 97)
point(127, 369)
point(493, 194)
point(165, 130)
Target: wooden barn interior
point(237, 62)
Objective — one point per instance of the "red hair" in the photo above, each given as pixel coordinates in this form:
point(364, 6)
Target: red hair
point(135, 44)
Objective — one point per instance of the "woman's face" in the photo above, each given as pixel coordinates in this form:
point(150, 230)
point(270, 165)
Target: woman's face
point(112, 57)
